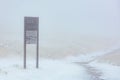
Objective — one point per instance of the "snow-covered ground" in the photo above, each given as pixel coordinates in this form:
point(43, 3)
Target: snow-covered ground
point(69, 68)
point(109, 72)
point(91, 56)
point(12, 69)
point(50, 69)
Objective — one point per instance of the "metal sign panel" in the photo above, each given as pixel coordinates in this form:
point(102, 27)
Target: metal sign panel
point(31, 37)
point(31, 29)
point(31, 23)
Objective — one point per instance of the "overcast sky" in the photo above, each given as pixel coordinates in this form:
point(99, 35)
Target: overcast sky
point(62, 17)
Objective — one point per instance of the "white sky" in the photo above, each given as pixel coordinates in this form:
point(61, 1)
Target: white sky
point(62, 17)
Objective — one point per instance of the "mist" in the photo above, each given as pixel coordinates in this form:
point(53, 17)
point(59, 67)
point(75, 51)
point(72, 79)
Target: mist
point(61, 21)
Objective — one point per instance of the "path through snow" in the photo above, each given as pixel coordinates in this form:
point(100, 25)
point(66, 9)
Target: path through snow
point(95, 74)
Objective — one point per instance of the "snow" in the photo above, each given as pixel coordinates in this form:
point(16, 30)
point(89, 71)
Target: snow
point(11, 68)
point(109, 72)
point(49, 70)
point(91, 56)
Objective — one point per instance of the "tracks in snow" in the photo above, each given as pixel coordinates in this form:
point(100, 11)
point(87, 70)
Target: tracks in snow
point(94, 73)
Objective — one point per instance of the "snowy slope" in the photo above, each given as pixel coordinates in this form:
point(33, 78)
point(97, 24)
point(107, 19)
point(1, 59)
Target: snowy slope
point(91, 56)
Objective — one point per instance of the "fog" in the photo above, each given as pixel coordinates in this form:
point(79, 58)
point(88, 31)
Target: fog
point(61, 19)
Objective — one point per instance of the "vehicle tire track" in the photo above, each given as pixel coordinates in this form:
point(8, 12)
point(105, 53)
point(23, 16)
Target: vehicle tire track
point(93, 72)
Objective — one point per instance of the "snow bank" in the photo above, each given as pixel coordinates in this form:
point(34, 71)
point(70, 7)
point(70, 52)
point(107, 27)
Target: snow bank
point(49, 70)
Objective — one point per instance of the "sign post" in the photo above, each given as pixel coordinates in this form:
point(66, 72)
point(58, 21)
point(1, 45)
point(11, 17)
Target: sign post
point(31, 36)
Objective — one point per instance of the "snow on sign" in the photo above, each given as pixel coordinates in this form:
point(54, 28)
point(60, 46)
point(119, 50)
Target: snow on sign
point(31, 37)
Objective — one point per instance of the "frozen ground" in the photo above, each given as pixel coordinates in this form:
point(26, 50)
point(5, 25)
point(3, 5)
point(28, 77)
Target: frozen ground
point(12, 69)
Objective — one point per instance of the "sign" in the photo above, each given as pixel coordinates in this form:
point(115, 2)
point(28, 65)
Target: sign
point(31, 36)
point(31, 29)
